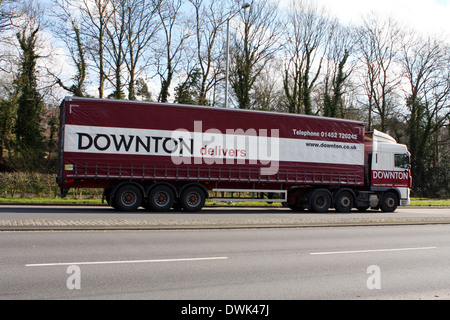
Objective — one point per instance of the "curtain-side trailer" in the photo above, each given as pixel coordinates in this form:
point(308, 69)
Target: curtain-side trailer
point(162, 156)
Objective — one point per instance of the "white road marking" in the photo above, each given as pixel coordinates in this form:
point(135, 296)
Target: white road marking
point(376, 250)
point(122, 262)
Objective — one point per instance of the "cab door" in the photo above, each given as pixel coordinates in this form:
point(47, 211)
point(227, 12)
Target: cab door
point(390, 169)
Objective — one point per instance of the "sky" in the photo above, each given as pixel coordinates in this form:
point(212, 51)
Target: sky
point(426, 16)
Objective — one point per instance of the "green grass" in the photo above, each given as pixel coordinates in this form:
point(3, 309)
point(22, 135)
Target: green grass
point(422, 202)
point(56, 200)
point(70, 200)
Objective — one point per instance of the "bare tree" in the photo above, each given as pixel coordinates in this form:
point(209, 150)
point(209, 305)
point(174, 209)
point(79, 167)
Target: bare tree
point(94, 18)
point(308, 34)
point(72, 37)
point(378, 41)
point(116, 48)
point(7, 13)
point(255, 43)
point(209, 18)
point(142, 26)
point(174, 36)
point(267, 92)
point(132, 27)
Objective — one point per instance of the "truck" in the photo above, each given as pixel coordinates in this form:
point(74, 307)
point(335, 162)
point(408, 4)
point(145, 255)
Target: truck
point(161, 156)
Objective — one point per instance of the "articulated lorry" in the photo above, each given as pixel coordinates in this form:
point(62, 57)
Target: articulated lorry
point(162, 156)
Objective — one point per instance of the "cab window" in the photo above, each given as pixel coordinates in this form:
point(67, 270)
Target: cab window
point(402, 161)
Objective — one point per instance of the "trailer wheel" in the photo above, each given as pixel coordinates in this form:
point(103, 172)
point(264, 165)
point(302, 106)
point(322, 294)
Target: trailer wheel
point(344, 202)
point(192, 199)
point(389, 202)
point(161, 198)
point(127, 198)
point(320, 201)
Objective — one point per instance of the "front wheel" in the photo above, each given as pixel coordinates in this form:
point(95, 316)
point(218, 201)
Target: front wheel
point(389, 202)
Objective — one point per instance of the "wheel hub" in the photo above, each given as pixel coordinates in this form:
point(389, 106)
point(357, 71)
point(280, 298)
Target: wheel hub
point(129, 198)
point(161, 198)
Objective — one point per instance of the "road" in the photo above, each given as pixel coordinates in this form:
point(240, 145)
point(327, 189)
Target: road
point(382, 262)
point(15, 217)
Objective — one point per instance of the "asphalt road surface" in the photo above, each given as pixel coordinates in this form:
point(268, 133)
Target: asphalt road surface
point(376, 262)
point(15, 217)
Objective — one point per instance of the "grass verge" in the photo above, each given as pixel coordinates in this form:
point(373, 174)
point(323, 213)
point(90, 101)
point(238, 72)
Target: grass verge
point(415, 202)
point(422, 202)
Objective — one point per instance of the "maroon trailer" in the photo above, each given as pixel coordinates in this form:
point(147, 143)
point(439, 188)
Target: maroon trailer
point(163, 155)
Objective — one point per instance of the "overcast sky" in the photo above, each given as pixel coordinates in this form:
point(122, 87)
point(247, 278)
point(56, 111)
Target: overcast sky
point(427, 16)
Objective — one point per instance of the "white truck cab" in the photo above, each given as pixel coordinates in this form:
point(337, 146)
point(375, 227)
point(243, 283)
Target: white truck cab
point(390, 168)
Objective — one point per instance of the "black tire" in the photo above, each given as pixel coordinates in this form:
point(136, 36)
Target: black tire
point(389, 202)
point(161, 198)
point(344, 202)
point(192, 199)
point(320, 201)
point(127, 198)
